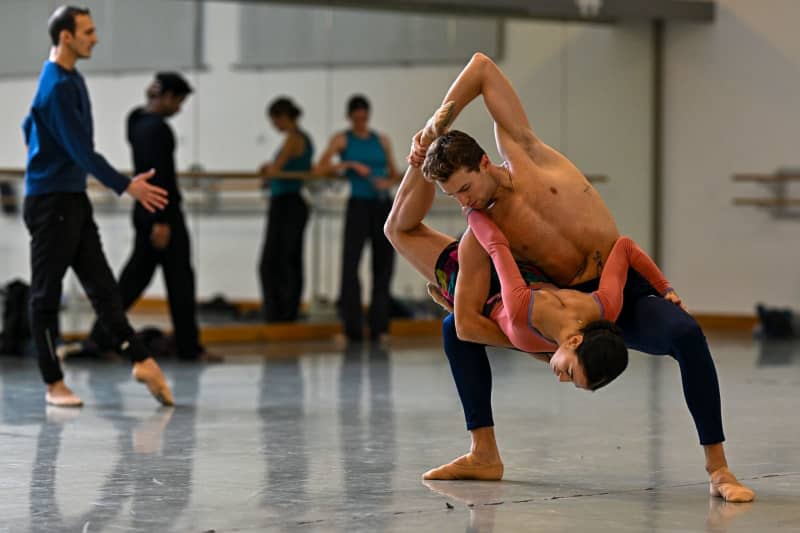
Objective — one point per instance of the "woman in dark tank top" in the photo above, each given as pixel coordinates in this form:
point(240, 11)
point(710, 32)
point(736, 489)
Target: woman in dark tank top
point(281, 266)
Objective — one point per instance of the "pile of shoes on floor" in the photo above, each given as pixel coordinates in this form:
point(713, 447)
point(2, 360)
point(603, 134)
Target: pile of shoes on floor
point(776, 323)
point(14, 327)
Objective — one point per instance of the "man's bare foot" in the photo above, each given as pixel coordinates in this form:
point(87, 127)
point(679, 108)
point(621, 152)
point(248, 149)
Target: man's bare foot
point(468, 467)
point(725, 485)
point(149, 373)
point(60, 395)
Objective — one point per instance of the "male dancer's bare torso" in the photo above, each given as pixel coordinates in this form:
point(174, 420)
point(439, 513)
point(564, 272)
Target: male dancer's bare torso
point(553, 218)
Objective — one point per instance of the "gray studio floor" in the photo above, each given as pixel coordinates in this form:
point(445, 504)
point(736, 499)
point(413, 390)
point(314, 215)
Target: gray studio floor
point(326, 440)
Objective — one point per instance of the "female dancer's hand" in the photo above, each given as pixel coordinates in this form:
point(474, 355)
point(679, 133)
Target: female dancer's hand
point(673, 297)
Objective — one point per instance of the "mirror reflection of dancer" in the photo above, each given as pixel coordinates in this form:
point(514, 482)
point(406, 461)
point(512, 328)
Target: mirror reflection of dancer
point(58, 213)
point(365, 156)
point(281, 266)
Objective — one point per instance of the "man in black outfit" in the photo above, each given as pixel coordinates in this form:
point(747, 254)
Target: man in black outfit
point(161, 237)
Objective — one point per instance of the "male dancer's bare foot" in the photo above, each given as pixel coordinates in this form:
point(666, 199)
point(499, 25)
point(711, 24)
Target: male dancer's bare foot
point(468, 466)
point(149, 373)
point(482, 463)
point(725, 485)
point(60, 395)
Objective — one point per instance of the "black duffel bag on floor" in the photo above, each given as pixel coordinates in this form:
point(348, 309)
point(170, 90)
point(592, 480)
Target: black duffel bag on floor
point(15, 326)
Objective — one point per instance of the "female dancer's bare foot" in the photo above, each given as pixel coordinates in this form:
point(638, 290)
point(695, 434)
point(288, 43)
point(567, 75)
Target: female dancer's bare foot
point(725, 485)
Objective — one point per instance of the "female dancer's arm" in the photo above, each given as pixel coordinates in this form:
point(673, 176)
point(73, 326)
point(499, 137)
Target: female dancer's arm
point(471, 293)
point(292, 146)
point(625, 253)
point(515, 320)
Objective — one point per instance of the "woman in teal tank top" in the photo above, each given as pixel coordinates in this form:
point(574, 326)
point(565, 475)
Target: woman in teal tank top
point(281, 266)
point(365, 157)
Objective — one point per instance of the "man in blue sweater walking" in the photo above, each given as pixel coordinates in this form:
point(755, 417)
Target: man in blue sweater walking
point(57, 212)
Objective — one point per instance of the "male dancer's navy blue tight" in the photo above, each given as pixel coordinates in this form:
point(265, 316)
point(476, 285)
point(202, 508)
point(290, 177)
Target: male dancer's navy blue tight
point(650, 324)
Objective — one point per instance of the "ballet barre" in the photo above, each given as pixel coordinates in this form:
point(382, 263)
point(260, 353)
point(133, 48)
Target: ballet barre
point(231, 191)
point(779, 204)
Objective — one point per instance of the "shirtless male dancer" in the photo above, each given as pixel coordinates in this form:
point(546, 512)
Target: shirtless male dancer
point(555, 219)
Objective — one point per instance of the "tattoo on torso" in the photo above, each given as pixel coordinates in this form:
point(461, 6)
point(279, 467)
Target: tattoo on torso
point(598, 261)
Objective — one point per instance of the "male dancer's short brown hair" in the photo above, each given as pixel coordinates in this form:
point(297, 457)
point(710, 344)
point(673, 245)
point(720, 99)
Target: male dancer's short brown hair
point(450, 152)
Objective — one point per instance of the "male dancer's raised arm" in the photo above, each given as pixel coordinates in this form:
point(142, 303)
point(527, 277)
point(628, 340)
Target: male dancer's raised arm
point(482, 77)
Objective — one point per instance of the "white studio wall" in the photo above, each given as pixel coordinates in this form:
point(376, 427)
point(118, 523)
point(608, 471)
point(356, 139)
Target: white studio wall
point(587, 89)
point(731, 107)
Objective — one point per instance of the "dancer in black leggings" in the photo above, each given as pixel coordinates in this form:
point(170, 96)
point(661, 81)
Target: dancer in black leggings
point(161, 237)
point(281, 266)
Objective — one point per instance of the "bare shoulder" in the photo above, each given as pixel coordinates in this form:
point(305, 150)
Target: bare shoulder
point(523, 146)
point(296, 143)
point(525, 173)
point(541, 163)
point(337, 144)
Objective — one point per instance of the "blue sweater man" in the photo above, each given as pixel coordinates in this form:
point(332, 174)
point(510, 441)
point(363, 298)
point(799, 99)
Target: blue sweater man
point(58, 214)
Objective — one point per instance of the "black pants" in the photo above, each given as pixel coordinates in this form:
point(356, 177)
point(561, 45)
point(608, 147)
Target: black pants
point(281, 267)
point(364, 220)
point(63, 235)
point(175, 260)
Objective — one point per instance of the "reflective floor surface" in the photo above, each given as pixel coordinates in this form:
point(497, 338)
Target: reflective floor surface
point(310, 438)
